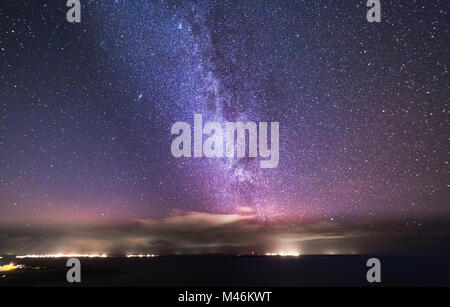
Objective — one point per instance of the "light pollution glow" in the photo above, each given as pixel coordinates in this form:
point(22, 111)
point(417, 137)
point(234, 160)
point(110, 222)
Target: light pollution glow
point(234, 234)
point(141, 256)
point(284, 254)
point(64, 256)
point(281, 253)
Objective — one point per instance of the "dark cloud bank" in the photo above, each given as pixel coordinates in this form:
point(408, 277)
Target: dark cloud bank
point(197, 233)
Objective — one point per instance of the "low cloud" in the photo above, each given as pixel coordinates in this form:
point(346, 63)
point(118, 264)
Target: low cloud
point(199, 233)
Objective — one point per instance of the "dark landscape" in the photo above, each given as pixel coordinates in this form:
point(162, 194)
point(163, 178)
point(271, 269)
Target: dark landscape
point(232, 271)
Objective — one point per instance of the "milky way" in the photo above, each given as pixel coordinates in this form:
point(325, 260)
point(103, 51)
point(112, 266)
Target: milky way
point(86, 109)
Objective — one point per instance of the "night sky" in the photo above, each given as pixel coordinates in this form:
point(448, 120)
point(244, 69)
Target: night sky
point(86, 111)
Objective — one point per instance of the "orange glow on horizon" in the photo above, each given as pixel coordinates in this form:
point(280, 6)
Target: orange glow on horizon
point(10, 267)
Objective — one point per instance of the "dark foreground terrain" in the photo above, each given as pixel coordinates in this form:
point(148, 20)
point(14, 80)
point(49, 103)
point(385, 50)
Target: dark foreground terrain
point(210, 271)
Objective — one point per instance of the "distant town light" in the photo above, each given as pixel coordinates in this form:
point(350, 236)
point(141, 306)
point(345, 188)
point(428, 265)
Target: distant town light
point(141, 255)
point(64, 256)
point(284, 254)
